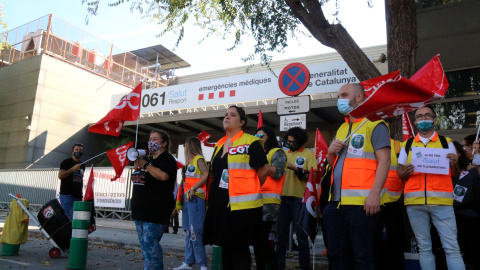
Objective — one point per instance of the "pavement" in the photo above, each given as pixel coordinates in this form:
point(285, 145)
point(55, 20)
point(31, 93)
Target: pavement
point(121, 234)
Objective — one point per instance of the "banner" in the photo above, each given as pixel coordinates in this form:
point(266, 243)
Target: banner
point(107, 193)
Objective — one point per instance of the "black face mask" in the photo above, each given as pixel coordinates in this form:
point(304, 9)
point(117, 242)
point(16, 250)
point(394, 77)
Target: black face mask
point(292, 147)
point(78, 154)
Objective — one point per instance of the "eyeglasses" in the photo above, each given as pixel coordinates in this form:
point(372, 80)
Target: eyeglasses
point(424, 116)
point(260, 135)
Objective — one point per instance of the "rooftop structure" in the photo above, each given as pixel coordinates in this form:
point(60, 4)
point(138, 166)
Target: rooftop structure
point(155, 66)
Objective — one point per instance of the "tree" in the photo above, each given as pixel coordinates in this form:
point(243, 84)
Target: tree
point(272, 22)
point(3, 26)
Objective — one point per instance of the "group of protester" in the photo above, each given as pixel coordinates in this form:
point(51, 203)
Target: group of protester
point(252, 185)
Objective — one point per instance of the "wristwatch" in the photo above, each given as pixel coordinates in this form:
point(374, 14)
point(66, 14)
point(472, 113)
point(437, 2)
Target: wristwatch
point(146, 165)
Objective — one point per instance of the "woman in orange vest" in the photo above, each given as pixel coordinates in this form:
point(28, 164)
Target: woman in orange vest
point(271, 192)
point(193, 208)
point(234, 214)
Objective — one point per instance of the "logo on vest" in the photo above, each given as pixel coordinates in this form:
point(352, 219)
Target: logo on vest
point(356, 144)
point(190, 170)
point(239, 150)
point(459, 193)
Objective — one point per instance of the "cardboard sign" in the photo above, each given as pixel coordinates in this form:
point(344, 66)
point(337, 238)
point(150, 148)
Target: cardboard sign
point(430, 160)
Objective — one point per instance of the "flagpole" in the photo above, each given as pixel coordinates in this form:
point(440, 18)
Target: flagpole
point(346, 139)
point(136, 134)
point(93, 158)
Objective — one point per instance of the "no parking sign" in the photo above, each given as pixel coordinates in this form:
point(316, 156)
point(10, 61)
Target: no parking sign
point(294, 79)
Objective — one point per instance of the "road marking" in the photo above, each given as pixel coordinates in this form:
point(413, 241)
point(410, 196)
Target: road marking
point(12, 261)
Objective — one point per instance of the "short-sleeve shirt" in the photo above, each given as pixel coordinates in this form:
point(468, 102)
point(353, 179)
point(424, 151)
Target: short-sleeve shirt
point(302, 158)
point(73, 184)
point(380, 139)
point(152, 199)
point(403, 156)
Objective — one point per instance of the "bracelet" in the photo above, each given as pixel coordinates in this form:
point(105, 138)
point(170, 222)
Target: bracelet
point(146, 165)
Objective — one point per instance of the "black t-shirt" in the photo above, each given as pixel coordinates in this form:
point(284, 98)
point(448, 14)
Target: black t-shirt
point(73, 184)
point(466, 192)
point(152, 199)
point(232, 228)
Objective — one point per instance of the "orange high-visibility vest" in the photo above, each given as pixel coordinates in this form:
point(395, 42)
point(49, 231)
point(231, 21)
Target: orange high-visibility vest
point(243, 184)
point(272, 188)
point(394, 185)
point(193, 175)
point(360, 164)
point(422, 188)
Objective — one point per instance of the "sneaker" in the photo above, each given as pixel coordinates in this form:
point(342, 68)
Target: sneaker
point(203, 268)
point(184, 266)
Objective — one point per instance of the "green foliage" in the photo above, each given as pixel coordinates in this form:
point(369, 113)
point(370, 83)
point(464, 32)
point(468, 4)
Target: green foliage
point(3, 28)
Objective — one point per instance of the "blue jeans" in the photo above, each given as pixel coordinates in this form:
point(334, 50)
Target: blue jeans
point(67, 202)
point(149, 235)
point(443, 218)
point(193, 216)
point(350, 235)
point(288, 213)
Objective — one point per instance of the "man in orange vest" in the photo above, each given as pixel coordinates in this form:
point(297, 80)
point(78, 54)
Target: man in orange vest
point(429, 196)
point(360, 168)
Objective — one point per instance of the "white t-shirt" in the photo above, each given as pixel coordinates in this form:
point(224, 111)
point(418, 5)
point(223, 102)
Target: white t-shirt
point(402, 158)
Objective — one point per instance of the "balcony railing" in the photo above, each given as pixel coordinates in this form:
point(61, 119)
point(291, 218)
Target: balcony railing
point(60, 39)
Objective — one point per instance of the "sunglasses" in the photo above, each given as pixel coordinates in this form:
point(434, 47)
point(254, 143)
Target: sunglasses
point(260, 135)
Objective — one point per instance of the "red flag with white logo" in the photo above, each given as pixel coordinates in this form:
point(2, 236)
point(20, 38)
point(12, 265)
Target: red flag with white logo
point(89, 192)
point(260, 119)
point(407, 129)
point(307, 218)
point(321, 149)
point(203, 137)
point(391, 94)
point(118, 158)
point(128, 109)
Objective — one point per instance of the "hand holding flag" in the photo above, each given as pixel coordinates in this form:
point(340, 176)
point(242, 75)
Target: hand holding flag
point(307, 218)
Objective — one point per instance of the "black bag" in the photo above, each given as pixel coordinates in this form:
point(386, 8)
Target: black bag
point(56, 223)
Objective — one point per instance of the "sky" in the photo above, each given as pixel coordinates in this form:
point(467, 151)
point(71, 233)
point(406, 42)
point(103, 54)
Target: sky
point(129, 31)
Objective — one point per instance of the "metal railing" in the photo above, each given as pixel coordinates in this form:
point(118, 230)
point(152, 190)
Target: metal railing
point(63, 40)
point(39, 187)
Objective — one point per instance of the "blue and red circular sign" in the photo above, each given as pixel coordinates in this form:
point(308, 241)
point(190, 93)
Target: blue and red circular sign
point(294, 79)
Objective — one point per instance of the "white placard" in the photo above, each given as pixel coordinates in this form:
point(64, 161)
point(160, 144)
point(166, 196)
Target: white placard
point(430, 160)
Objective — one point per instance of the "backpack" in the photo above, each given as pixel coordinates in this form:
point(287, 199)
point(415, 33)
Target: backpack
point(443, 141)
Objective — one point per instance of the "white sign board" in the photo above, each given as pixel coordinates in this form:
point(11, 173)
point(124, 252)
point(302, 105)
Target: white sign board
point(106, 192)
point(430, 160)
point(289, 121)
point(324, 78)
point(293, 105)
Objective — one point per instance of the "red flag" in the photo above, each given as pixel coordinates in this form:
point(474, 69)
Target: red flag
point(260, 119)
point(307, 218)
point(118, 158)
point(391, 94)
point(203, 137)
point(179, 163)
point(321, 149)
point(89, 192)
point(407, 129)
point(128, 109)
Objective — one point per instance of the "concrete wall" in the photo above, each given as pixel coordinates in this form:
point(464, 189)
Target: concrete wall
point(18, 85)
point(60, 100)
point(452, 30)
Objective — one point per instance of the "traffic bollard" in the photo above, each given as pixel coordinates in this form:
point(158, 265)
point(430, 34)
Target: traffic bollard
point(217, 258)
point(77, 258)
